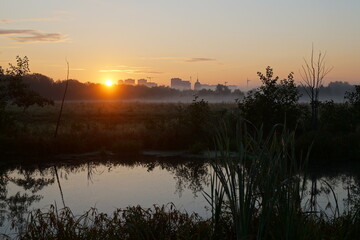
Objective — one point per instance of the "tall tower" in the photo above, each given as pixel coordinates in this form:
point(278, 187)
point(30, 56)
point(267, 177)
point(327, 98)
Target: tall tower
point(197, 85)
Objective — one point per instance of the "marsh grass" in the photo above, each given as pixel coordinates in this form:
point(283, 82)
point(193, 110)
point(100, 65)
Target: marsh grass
point(261, 192)
point(111, 126)
point(159, 222)
point(261, 186)
point(92, 126)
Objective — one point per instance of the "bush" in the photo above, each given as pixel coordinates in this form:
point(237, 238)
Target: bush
point(273, 102)
point(336, 117)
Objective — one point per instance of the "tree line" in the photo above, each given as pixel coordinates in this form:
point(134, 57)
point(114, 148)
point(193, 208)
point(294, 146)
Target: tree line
point(53, 90)
point(96, 91)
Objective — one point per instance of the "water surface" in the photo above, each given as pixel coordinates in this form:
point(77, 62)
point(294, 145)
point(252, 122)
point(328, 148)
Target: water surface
point(108, 185)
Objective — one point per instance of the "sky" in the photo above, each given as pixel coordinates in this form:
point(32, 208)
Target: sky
point(216, 41)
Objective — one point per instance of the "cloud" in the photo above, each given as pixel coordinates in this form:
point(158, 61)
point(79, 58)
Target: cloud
point(77, 69)
point(166, 58)
point(28, 36)
point(148, 72)
point(40, 37)
point(111, 71)
point(129, 70)
point(200, 60)
point(12, 31)
point(185, 59)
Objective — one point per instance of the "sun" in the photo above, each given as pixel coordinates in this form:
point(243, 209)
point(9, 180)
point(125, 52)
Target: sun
point(109, 83)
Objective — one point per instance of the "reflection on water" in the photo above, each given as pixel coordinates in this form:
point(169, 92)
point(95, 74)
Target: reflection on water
point(334, 189)
point(18, 192)
point(110, 185)
point(106, 186)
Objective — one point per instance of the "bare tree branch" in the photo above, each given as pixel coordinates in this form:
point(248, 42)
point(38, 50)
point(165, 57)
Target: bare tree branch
point(312, 75)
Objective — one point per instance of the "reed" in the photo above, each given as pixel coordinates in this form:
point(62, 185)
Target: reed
point(262, 185)
point(159, 222)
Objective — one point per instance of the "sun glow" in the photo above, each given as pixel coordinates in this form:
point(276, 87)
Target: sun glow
point(109, 83)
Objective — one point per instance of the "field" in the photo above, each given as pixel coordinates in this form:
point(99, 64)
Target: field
point(127, 128)
point(121, 127)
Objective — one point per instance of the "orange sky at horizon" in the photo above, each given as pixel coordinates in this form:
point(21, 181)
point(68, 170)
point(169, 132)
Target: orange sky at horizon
point(227, 41)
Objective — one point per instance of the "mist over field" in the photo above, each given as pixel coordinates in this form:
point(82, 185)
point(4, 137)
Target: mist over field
point(78, 91)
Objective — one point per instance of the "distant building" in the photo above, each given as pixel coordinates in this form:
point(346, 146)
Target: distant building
point(180, 84)
point(197, 85)
point(129, 81)
point(144, 82)
point(151, 84)
point(120, 82)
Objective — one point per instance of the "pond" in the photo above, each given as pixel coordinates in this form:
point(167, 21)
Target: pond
point(107, 185)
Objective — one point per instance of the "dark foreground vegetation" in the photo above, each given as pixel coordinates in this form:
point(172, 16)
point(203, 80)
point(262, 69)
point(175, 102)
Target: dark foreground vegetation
point(168, 223)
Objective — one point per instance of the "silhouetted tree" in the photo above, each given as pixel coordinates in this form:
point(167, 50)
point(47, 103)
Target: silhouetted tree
point(273, 102)
point(222, 90)
point(194, 123)
point(354, 99)
point(13, 89)
point(239, 93)
point(313, 74)
point(336, 117)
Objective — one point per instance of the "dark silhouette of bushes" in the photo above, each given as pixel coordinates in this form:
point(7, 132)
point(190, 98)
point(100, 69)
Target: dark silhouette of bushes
point(272, 103)
point(14, 91)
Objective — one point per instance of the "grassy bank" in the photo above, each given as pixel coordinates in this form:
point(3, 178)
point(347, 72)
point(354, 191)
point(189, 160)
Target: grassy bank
point(166, 222)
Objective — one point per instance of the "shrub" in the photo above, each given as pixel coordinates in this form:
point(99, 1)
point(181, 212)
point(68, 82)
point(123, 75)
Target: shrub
point(273, 102)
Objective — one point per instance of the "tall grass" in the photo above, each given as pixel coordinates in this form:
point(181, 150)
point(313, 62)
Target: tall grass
point(155, 223)
point(260, 189)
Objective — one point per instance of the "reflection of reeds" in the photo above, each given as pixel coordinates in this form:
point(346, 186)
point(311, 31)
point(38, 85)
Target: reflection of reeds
point(59, 185)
